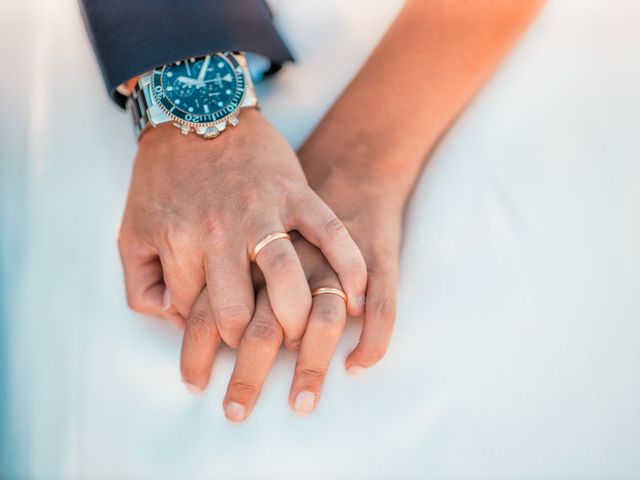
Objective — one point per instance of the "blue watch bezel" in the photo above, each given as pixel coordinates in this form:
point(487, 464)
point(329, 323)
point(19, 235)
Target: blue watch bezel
point(200, 120)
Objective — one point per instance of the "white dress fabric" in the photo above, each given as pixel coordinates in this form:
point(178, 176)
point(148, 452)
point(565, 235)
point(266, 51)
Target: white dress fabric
point(517, 347)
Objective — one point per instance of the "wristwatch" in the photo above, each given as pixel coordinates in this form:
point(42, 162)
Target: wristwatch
point(200, 94)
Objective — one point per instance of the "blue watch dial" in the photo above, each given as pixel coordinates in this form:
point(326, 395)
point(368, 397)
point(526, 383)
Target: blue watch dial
point(200, 90)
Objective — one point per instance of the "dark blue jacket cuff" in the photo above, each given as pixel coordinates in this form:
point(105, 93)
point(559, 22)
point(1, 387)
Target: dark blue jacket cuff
point(131, 37)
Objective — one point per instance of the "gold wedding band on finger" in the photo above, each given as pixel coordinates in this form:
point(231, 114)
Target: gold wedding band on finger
point(330, 291)
point(266, 241)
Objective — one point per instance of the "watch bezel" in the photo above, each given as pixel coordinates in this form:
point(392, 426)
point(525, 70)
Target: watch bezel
point(179, 116)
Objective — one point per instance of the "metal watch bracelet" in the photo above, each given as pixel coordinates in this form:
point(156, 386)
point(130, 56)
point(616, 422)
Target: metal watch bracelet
point(138, 104)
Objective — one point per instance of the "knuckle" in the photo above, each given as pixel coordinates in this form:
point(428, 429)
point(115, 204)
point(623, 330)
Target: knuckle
point(384, 308)
point(332, 318)
point(334, 228)
point(331, 310)
point(213, 230)
point(248, 199)
point(293, 192)
point(380, 263)
point(200, 323)
point(164, 238)
point(234, 317)
point(263, 333)
point(171, 238)
point(311, 372)
point(238, 386)
point(280, 262)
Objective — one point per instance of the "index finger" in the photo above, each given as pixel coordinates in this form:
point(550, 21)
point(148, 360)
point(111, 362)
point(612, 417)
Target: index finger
point(320, 226)
point(326, 323)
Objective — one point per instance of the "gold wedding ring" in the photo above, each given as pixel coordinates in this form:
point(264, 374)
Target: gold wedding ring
point(266, 241)
point(331, 291)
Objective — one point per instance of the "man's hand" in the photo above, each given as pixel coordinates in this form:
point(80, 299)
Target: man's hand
point(372, 209)
point(197, 208)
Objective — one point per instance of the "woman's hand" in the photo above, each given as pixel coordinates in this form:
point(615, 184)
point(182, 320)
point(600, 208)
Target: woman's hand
point(262, 340)
point(195, 212)
point(365, 155)
point(371, 205)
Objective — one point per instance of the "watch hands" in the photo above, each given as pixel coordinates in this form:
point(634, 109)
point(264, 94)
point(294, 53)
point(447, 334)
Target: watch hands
point(189, 80)
point(203, 70)
point(197, 84)
point(200, 81)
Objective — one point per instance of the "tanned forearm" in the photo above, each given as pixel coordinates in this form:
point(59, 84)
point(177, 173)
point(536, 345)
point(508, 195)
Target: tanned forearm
point(430, 63)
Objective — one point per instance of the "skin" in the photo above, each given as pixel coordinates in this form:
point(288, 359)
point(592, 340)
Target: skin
point(263, 338)
point(362, 160)
point(197, 208)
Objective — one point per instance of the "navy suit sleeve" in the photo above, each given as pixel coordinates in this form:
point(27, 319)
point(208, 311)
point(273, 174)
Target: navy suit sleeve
point(131, 37)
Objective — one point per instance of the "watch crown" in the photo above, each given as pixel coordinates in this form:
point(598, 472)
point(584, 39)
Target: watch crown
point(211, 132)
point(184, 129)
point(234, 121)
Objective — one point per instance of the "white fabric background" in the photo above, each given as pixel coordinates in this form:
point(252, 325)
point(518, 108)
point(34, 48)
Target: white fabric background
point(517, 348)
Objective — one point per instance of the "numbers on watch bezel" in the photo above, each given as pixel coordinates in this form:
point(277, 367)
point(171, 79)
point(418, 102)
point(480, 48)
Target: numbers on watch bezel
point(197, 119)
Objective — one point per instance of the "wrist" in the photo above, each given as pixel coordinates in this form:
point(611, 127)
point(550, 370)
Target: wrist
point(252, 121)
point(127, 87)
point(200, 95)
point(340, 169)
point(354, 196)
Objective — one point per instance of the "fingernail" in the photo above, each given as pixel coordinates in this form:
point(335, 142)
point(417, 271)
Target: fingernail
point(355, 370)
point(362, 301)
point(305, 401)
point(192, 388)
point(234, 412)
point(166, 300)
